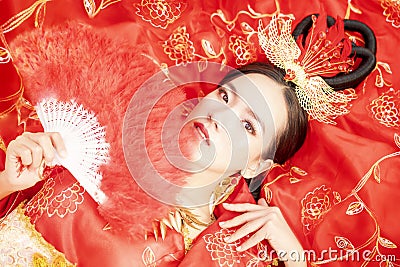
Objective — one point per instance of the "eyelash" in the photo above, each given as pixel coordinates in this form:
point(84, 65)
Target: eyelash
point(222, 94)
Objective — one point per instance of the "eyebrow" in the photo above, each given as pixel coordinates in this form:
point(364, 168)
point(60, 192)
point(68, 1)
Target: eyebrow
point(248, 109)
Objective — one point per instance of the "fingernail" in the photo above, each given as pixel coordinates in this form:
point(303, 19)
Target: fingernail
point(239, 248)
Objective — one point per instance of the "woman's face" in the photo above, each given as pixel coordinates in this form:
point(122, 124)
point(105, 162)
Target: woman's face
point(232, 126)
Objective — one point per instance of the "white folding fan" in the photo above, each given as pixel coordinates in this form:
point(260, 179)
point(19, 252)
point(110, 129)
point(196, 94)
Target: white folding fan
point(84, 139)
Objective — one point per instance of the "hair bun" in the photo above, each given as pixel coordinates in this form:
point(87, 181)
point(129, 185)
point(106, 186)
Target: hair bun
point(367, 54)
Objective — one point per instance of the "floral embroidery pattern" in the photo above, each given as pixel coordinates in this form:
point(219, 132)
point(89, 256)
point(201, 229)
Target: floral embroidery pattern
point(67, 201)
point(315, 204)
point(36, 206)
point(178, 47)
point(63, 203)
point(160, 13)
point(245, 52)
point(391, 10)
point(220, 251)
point(386, 108)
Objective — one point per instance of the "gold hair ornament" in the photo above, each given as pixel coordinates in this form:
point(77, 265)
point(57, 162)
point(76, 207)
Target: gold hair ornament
point(304, 65)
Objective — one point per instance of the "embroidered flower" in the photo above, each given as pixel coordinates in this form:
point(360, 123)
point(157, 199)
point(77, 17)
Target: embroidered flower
point(391, 10)
point(66, 201)
point(386, 108)
point(35, 207)
point(244, 52)
point(160, 13)
point(315, 204)
point(224, 253)
point(178, 47)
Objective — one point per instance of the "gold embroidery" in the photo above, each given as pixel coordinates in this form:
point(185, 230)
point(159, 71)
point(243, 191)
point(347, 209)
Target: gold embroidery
point(386, 108)
point(66, 201)
point(39, 6)
point(178, 47)
point(315, 204)
point(40, 202)
point(351, 8)
point(245, 52)
point(5, 56)
point(22, 245)
point(63, 203)
point(148, 257)
point(224, 253)
point(356, 207)
point(92, 10)
point(391, 10)
point(3, 145)
point(160, 13)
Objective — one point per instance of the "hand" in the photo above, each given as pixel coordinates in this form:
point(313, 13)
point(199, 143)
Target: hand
point(266, 223)
point(24, 158)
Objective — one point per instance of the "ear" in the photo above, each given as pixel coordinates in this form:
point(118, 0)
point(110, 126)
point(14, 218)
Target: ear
point(255, 169)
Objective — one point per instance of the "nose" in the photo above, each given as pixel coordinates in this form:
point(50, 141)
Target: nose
point(220, 117)
point(211, 121)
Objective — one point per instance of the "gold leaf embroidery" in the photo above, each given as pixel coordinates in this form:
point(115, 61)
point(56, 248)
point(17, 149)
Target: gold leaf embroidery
point(377, 174)
point(3, 145)
point(343, 243)
point(355, 208)
point(148, 257)
point(294, 180)
point(397, 140)
point(337, 196)
point(40, 15)
point(298, 171)
point(268, 194)
point(386, 243)
point(208, 48)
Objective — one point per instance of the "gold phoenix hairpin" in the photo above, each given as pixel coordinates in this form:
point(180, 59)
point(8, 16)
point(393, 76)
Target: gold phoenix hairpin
point(304, 65)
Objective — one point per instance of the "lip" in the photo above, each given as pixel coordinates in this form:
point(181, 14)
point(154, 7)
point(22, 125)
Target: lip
point(202, 131)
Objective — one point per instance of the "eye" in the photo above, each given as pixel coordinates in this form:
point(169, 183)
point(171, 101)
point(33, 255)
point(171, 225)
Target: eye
point(249, 127)
point(224, 95)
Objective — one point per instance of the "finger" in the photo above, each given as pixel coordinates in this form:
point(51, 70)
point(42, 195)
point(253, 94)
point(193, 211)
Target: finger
point(262, 202)
point(242, 207)
point(45, 142)
point(246, 229)
point(36, 149)
point(19, 151)
point(254, 239)
point(58, 143)
point(242, 219)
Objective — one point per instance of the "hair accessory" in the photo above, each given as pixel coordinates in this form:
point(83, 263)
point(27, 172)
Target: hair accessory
point(324, 52)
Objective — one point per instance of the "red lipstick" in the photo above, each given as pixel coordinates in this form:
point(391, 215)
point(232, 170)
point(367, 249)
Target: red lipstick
point(202, 131)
